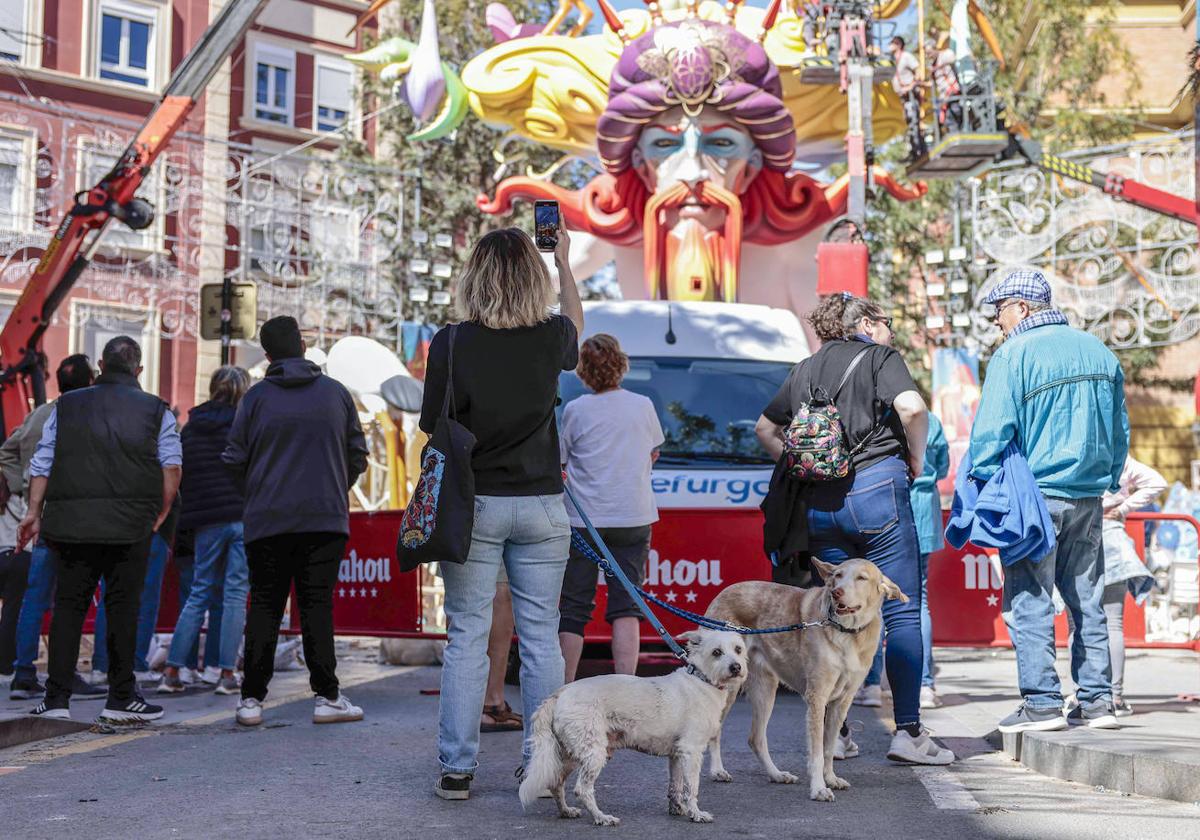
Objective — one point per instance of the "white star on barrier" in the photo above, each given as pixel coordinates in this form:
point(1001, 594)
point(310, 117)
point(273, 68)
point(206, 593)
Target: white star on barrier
point(363, 592)
point(993, 600)
point(671, 597)
point(351, 591)
point(691, 597)
point(342, 592)
point(374, 592)
point(652, 594)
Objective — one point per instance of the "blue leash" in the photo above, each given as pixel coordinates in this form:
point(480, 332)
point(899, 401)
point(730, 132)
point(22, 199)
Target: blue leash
point(612, 569)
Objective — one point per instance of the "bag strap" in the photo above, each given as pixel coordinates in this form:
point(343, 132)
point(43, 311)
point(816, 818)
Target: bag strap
point(449, 406)
point(849, 370)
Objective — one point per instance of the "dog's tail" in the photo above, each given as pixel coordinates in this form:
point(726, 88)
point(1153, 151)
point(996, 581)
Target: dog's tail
point(545, 767)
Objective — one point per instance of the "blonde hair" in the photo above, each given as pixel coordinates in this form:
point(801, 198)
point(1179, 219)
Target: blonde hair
point(505, 284)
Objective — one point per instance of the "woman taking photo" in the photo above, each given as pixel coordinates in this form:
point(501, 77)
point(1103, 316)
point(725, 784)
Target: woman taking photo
point(508, 353)
point(867, 514)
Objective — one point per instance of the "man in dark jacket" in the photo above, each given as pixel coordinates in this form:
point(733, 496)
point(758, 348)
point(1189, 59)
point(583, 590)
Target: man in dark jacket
point(299, 446)
point(107, 470)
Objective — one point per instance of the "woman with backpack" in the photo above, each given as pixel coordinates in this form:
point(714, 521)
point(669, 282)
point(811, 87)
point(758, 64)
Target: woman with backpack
point(506, 358)
point(849, 429)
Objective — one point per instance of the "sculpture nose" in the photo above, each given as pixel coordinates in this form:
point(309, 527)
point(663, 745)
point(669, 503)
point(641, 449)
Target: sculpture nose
point(691, 171)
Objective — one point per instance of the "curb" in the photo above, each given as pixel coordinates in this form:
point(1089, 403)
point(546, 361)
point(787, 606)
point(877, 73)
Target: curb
point(23, 729)
point(1107, 759)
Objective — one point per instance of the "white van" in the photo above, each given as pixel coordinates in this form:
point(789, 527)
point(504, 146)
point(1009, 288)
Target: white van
point(709, 369)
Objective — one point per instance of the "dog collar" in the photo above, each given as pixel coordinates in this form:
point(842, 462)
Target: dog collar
point(698, 674)
point(831, 621)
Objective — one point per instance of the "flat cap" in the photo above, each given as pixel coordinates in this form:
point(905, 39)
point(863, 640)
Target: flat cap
point(1023, 284)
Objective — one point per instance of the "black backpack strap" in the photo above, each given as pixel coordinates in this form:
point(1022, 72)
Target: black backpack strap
point(449, 404)
point(849, 370)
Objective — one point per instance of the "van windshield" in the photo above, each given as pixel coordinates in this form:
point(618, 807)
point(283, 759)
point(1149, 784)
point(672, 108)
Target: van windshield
point(707, 407)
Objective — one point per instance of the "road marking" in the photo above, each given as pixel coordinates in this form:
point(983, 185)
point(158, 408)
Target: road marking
point(946, 791)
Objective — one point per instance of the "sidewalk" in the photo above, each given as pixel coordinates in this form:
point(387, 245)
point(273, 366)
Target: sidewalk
point(1155, 753)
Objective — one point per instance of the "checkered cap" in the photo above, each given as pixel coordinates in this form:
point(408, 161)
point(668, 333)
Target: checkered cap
point(1023, 284)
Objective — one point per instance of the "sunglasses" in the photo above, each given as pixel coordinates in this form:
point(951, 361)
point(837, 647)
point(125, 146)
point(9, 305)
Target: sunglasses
point(887, 322)
point(1001, 308)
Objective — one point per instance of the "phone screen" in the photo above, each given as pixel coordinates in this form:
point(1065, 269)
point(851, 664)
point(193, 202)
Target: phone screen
point(545, 224)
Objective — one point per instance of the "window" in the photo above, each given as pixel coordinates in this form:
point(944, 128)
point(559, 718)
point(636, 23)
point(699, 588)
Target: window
point(334, 94)
point(95, 324)
point(333, 233)
point(16, 182)
point(94, 163)
point(127, 42)
point(274, 70)
point(16, 36)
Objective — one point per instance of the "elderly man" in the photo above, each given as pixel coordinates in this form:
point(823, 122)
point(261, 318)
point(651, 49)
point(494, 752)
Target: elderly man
point(106, 469)
point(1058, 393)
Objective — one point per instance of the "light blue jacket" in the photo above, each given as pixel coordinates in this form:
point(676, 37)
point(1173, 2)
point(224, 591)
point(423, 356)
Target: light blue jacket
point(1059, 394)
point(926, 504)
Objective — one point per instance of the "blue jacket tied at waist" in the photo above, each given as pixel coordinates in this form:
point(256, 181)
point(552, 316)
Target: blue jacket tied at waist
point(1007, 512)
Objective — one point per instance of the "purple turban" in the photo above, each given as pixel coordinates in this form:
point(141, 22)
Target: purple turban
point(695, 63)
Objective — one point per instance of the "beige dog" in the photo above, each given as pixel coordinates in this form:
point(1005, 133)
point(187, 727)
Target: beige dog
point(585, 722)
point(824, 664)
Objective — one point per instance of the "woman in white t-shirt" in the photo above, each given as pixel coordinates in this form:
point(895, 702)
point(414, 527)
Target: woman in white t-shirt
point(609, 440)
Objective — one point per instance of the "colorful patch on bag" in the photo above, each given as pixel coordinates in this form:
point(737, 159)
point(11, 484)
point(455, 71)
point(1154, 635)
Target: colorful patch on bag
point(814, 444)
point(420, 517)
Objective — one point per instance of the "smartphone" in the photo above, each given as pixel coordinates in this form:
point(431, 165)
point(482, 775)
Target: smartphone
point(545, 225)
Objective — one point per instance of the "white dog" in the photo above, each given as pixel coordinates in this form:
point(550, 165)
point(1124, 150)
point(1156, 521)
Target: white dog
point(583, 723)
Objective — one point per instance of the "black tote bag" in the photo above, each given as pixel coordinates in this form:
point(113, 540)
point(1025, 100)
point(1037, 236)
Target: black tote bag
point(438, 520)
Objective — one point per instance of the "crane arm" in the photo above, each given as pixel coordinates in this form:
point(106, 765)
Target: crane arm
point(22, 363)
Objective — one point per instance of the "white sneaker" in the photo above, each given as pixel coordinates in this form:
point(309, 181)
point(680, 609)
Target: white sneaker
point(336, 711)
point(97, 678)
point(844, 748)
point(869, 695)
point(187, 676)
point(211, 675)
point(249, 712)
point(920, 750)
point(147, 676)
point(929, 698)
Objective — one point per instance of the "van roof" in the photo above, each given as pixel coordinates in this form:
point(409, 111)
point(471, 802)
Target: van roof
point(703, 330)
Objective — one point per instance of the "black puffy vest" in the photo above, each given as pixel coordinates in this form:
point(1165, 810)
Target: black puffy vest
point(106, 483)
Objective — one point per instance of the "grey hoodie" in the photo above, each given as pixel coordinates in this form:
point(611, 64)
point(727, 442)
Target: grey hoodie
point(297, 446)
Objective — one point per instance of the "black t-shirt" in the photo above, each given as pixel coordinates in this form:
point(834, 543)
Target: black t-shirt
point(865, 400)
point(505, 387)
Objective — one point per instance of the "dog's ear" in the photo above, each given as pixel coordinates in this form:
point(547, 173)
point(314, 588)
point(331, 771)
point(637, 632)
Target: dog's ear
point(825, 570)
point(691, 637)
point(890, 590)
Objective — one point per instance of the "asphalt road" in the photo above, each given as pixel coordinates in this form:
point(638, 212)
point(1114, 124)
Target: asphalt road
point(205, 777)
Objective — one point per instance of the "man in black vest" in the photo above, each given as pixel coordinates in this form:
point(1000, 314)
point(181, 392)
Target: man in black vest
point(102, 481)
point(298, 446)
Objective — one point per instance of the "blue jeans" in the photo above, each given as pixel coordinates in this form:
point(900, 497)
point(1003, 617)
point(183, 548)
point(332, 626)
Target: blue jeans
point(39, 597)
point(874, 520)
point(186, 567)
point(875, 675)
point(1076, 567)
point(147, 613)
point(530, 536)
point(220, 563)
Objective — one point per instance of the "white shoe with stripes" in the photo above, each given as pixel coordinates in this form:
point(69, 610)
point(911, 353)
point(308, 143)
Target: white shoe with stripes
point(135, 711)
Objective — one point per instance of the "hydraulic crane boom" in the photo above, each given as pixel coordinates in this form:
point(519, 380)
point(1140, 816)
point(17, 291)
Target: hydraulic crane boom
point(22, 363)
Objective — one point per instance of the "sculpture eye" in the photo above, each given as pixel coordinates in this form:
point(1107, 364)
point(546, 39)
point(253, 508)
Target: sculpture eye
point(665, 143)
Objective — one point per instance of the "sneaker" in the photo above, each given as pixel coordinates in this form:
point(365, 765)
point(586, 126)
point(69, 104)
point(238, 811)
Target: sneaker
point(1025, 719)
point(929, 698)
point(1097, 715)
point(147, 676)
point(136, 710)
point(25, 688)
point(228, 685)
point(1121, 708)
point(211, 675)
point(920, 750)
point(97, 678)
point(249, 712)
point(81, 689)
point(869, 695)
point(172, 684)
point(336, 711)
point(453, 786)
point(57, 711)
point(844, 747)
point(189, 676)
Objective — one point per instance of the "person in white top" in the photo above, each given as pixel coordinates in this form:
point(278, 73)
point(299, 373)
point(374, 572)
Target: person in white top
point(1124, 571)
point(609, 440)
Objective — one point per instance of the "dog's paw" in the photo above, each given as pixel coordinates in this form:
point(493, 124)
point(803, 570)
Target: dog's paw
point(721, 775)
point(836, 782)
point(700, 817)
point(569, 813)
point(823, 794)
point(784, 778)
point(605, 819)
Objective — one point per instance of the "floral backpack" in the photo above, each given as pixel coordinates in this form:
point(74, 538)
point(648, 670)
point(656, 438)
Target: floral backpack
point(815, 447)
